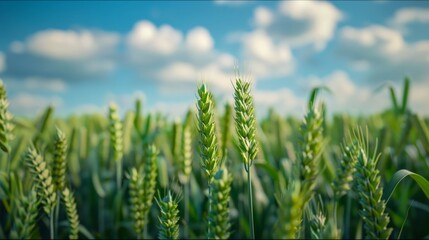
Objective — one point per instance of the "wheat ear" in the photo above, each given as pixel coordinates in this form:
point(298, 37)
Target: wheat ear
point(44, 183)
point(72, 215)
point(169, 219)
point(219, 224)
point(60, 154)
point(291, 202)
point(245, 124)
point(311, 148)
point(26, 214)
point(6, 126)
point(116, 141)
point(136, 201)
point(185, 155)
point(206, 127)
point(370, 192)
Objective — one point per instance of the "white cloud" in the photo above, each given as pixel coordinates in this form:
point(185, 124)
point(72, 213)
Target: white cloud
point(418, 97)
point(283, 100)
point(2, 62)
point(26, 104)
point(265, 58)
point(70, 55)
point(199, 40)
point(267, 49)
point(263, 17)
point(145, 36)
point(71, 45)
point(347, 96)
point(300, 23)
point(41, 84)
point(384, 54)
point(185, 60)
point(406, 16)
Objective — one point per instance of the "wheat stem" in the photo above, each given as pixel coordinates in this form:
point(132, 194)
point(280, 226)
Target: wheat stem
point(246, 130)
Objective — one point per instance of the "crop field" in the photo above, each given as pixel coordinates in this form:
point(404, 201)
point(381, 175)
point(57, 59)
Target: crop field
point(219, 172)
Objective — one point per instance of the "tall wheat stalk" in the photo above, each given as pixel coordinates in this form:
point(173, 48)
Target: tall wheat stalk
point(370, 192)
point(169, 219)
point(116, 141)
point(45, 186)
point(208, 141)
point(219, 224)
point(245, 124)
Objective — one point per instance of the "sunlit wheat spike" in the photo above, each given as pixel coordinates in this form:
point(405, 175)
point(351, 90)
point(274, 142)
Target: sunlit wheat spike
point(42, 177)
point(60, 154)
point(6, 126)
point(291, 202)
point(136, 200)
point(169, 217)
point(72, 215)
point(344, 179)
point(206, 127)
point(370, 192)
point(218, 219)
point(245, 122)
point(116, 132)
point(311, 143)
point(318, 221)
point(25, 216)
point(150, 173)
point(185, 155)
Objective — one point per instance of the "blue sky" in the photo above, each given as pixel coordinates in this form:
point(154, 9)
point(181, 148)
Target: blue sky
point(80, 56)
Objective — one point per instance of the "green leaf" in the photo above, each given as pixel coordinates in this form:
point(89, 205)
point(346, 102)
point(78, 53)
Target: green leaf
point(405, 94)
point(314, 92)
point(393, 97)
point(399, 176)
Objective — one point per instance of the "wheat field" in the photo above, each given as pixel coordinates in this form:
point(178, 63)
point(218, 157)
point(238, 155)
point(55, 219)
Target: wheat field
point(220, 172)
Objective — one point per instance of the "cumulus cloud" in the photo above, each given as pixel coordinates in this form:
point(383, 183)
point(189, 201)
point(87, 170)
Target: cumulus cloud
point(67, 54)
point(172, 58)
point(26, 104)
point(146, 37)
point(2, 62)
point(284, 100)
point(406, 16)
point(300, 23)
point(71, 45)
point(267, 49)
point(384, 53)
point(55, 85)
point(347, 96)
point(264, 57)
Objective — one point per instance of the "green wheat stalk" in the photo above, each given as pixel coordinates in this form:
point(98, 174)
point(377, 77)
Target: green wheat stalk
point(290, 202)
point(343, 181)
point(219, 225)
point(208, 141)
point(72, 215)
point(59, 164)
point(116, 141)
point(245, 123)
point(26, 214)
point(311, 144)
point(226, 129)
point(45, 186)
point(185, 169)
point(150, 173)
point(6, 126)
point(136, 200)
point(169, 219)
point(370, 192)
